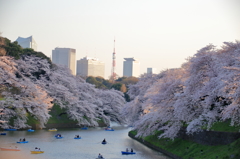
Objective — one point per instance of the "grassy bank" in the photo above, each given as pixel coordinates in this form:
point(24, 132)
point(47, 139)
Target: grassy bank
point(58, 115)
point(192, 150)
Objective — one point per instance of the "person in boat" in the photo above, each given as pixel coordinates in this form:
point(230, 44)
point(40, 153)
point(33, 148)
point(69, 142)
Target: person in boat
point(100, 156)
point(16, 147)
point(20, 140)
point(23, 139)
point(131, 150)
point(126, 149)
point(77, 136)
point(39, 149)
point(104, 140)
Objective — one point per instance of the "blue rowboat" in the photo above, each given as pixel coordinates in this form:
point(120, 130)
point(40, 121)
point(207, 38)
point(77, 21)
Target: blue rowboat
point(84, 128)
point(77, 137)
point(104, 143)
point(10, 129)
point(109, 129)
point(3, 133)
point(128, 153)
point(22, 142)
point(58, 137)
point(30, 130)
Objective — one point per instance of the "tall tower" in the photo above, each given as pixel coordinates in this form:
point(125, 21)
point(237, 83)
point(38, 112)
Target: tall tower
point(113, 74)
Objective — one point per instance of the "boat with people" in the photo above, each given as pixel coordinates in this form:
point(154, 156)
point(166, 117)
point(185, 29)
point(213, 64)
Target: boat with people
point(22, 142)
point(36, 152)
point(30, 130)
point(109, 129)
point(100, 156)
point(53, 129)
point(58, 136)
point(9, 149)
point(127, 153)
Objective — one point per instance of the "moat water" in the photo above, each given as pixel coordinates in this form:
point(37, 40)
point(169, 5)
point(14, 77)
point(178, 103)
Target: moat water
point(88, 147)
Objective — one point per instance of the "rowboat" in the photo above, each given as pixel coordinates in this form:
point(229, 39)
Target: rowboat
point(30, 130)
point(10, 129)
point(126, 153)
point(3, 133)
point(99, 158)
point(22, 142)
point(9, 149)
point(58, 137)
point(107, 129)
point(53, 129)
point(37, 152)
point(84, 128)
point(104, 143)
point(77, 137)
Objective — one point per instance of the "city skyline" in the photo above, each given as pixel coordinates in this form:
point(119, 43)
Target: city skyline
point(161, 34)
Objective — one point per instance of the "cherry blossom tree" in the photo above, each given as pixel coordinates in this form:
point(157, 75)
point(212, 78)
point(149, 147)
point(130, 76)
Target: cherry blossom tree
point(21, 97)
point(39, 84)
point(203, 91)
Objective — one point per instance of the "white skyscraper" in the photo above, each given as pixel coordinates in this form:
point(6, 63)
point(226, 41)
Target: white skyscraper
point(152, 70)
point(131, 67)
point(88, 66)
point(28, 42)
point(66, 57)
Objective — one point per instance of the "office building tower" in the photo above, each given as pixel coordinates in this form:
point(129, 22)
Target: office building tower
point(152, 70)
point(131, 67)
point(88, 66)
point(66, 57)
point(28, 42)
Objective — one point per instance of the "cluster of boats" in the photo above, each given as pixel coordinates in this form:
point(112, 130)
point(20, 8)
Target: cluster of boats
point(57, 136)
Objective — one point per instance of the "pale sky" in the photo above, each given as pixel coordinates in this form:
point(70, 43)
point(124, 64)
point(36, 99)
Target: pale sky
point(160, 33)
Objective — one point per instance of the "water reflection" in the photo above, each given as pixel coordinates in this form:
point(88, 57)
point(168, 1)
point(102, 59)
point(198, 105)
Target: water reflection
point(68, 148)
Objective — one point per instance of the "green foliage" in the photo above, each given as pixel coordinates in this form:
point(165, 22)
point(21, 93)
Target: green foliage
point(96, 81)
point(16, 51)
point(13, 49)
point(117, 86)
point(31, 52)
point(188, 149)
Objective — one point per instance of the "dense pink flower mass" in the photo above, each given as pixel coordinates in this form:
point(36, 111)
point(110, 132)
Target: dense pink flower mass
point(29, 86)
point(206, 89)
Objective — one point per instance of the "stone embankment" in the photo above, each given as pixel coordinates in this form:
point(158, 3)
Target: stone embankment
point(210, 137)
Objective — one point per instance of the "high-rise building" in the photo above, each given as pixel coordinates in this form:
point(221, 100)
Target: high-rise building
point(88, 66)
point(131, 67)
point(151, 70)
point(28, 42)
point(66, 57)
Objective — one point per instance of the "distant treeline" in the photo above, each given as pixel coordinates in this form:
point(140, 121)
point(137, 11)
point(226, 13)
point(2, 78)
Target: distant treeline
point(120, 84)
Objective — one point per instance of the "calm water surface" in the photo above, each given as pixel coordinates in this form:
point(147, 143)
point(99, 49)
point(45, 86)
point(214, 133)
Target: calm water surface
point(68, 148)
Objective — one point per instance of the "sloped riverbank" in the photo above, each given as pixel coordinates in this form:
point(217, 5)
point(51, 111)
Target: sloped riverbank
point(184, 147)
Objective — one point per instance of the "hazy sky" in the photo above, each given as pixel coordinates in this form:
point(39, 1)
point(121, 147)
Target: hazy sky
point(160, 33)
